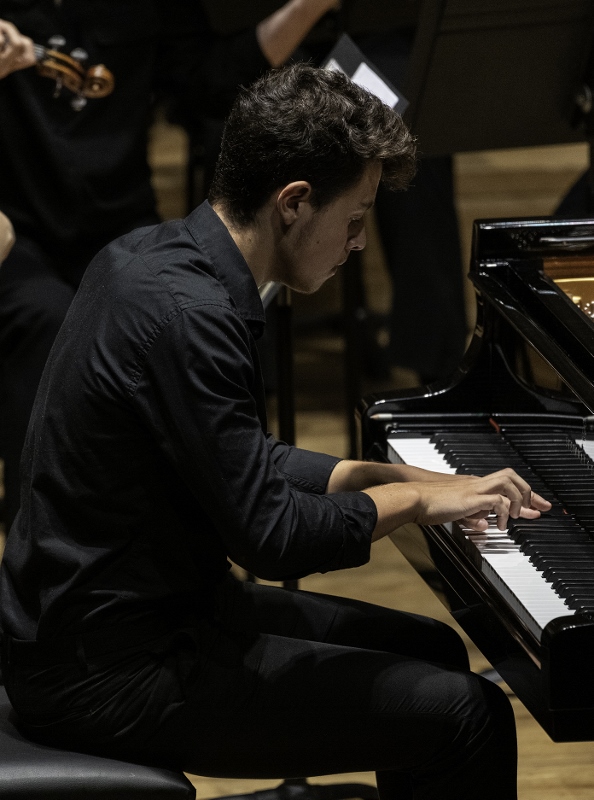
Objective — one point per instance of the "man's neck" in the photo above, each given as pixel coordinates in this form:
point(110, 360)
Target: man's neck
point(254, 245)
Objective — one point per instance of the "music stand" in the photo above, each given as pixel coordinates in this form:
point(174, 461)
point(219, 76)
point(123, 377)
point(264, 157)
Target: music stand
point(489, 74)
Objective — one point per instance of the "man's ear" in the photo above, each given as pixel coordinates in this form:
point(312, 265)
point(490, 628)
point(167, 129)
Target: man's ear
point(293, 200)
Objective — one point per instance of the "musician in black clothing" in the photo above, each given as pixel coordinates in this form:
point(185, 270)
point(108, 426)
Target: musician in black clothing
point(147, 465)
point(72, 180)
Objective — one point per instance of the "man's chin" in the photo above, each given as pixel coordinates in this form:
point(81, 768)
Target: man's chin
point(311, 288)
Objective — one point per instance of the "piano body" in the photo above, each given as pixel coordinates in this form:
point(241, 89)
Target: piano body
point(523, 397)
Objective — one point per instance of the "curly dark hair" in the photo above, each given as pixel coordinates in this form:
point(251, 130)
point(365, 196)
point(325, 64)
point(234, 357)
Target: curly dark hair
point(306, 123)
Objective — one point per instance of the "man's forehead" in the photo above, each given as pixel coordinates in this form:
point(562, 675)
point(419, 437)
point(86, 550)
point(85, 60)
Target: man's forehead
point(366, 188)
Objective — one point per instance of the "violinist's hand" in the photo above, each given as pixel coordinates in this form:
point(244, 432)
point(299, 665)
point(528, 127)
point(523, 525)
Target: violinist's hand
point(6, 236)
point(16, 50)
point(468, 500)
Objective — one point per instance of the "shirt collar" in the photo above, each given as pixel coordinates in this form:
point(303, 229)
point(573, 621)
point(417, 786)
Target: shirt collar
point(212, 236)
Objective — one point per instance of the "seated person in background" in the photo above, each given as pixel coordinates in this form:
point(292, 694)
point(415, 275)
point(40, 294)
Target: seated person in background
point(147, 466)
point(73, 180)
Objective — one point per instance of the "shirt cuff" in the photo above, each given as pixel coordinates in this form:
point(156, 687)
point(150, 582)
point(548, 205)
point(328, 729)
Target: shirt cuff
point(359, 517)
point(305, 470)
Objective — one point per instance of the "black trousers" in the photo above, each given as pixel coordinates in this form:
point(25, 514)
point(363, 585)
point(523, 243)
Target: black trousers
point(286, 684)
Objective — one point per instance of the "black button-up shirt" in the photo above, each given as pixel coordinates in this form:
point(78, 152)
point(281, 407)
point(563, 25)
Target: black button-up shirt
point(147, 464)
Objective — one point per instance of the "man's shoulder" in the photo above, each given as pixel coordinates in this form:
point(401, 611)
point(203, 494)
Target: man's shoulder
point(162, 264)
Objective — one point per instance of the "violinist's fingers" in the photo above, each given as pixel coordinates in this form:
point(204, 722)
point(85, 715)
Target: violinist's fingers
point(16, 51)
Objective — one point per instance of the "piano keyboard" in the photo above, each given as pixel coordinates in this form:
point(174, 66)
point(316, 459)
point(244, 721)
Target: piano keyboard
point(543, 568)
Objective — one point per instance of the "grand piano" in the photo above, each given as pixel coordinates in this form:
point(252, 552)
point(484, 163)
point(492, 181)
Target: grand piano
point(523, 397)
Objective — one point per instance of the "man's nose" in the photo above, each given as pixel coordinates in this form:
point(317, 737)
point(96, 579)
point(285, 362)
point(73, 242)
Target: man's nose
point(359, 241)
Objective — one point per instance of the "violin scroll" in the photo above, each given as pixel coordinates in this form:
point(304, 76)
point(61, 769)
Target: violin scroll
point(68, 71)
point(98, 82)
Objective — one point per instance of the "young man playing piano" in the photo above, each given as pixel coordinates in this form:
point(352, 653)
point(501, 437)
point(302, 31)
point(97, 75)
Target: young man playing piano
point(147, 465)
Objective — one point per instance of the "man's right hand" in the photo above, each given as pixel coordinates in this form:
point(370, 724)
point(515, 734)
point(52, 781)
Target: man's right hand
point(16, 50)
point(467, 499)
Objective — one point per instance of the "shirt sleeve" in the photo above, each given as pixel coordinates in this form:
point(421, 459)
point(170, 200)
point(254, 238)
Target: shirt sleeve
point(196, 393)
point(304, 469)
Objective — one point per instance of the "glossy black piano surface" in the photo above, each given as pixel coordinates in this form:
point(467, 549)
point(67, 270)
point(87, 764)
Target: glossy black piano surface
point(523, 396)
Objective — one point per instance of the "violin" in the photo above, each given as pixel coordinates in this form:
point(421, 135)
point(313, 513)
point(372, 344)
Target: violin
point(69, 71)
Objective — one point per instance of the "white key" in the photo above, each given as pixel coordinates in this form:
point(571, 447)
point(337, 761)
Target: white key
point(587, 445)
point(519, 582)
point(418, 452)
point(509, 571)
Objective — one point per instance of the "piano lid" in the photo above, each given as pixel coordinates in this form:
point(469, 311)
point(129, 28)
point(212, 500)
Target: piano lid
point(527, 237)
point(519, 267)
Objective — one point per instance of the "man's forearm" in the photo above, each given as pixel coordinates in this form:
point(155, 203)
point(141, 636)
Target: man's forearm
point(354, 476)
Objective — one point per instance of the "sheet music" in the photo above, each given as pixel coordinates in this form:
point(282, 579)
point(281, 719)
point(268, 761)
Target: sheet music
point(346, 57)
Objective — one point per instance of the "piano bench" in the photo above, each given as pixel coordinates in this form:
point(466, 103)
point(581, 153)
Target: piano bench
point(36, 772)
